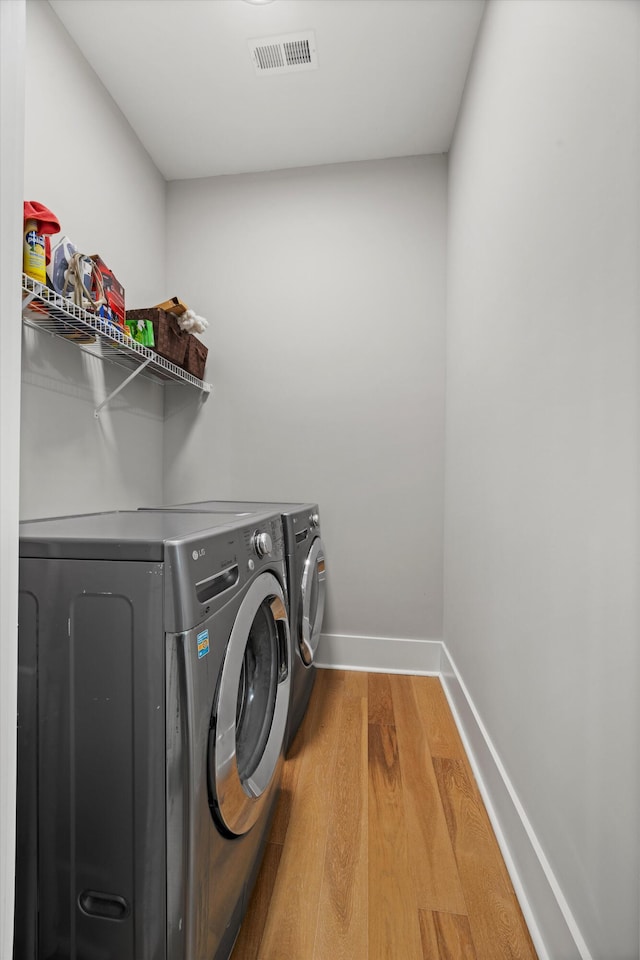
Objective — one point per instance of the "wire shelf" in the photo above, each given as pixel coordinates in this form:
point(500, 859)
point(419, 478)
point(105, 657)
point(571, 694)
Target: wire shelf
point(43, 309)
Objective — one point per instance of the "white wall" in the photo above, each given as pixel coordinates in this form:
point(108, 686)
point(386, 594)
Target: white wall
point(542, 466)
point(86, 164)
point(12, 50)
point(325, 292)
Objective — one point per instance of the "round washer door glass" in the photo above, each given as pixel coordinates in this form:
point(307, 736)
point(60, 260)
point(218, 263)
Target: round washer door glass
point(312, 593)
point(257, 689)
point(250, 712)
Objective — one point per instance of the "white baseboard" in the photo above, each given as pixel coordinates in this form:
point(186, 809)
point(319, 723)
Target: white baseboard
point(553, 928)
point(379, 654)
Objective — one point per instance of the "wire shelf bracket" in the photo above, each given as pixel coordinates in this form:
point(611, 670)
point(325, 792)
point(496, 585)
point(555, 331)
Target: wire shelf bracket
point(117, 390)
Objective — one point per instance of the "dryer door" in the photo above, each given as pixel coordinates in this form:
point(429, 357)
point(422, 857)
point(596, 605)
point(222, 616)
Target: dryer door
point(312, 593)
point(252, 701)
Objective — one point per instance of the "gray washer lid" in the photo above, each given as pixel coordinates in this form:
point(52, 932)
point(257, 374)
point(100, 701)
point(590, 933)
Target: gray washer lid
point(245, 506)
point(117, 534)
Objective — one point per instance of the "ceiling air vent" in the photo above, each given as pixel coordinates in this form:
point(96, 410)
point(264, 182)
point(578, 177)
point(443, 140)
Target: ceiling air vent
point(289, 53)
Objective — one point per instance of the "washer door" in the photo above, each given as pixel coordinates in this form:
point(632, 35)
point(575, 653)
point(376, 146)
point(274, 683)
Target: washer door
point(312, 594)
point(250, 712)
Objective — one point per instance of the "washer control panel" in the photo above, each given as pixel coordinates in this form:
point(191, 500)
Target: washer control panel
point(262, 543)
point(264, 540)
point(204, 567)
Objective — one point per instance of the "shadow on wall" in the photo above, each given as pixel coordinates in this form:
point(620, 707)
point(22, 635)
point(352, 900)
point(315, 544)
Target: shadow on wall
point(72, 462)
point(67, 371)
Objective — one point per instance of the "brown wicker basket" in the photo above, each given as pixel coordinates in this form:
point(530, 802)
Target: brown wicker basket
point(196, 357)
point(171, 341)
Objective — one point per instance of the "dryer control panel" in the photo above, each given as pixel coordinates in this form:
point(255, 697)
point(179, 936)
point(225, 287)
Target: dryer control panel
point(302, 528)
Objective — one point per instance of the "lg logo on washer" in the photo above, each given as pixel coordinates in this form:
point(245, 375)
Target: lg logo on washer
point(198, 553)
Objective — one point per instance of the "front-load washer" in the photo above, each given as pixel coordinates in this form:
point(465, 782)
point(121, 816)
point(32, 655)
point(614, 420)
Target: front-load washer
point(306, 577)
point(153, 700)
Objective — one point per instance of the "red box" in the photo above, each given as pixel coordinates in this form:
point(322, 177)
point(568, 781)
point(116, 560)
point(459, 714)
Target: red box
point(113, 291)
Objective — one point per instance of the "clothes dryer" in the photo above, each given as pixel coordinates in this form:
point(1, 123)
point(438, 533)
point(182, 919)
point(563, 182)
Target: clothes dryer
point(306, 578)
point(153, 700)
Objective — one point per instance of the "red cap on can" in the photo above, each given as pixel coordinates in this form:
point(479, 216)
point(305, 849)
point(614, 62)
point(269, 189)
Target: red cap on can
point(47, 221)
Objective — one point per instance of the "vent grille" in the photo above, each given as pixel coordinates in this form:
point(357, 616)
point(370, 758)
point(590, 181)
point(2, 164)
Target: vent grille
point(289, 53)
point(297, 52)
point(269, 57)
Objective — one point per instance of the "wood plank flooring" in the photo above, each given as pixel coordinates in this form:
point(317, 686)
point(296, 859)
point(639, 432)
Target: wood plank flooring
point(381, 848)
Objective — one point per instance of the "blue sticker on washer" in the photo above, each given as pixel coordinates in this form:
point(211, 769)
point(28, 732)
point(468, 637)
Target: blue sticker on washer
point(203, 644)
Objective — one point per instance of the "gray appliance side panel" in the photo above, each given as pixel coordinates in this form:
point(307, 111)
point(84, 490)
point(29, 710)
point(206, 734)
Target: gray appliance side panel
point(26, 890)
point(101, 747)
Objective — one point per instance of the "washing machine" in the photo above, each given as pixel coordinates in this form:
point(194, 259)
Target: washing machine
point(154, 682)
point(306, 577)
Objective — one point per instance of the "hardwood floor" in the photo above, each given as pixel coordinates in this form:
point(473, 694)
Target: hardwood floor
point(381, 848)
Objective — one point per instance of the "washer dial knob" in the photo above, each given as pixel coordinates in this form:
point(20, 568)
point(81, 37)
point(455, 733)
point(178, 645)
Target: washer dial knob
point(314, 520)
point(262, 544)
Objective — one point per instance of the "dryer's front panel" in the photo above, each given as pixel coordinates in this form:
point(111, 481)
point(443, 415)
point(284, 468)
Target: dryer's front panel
point(312, 600)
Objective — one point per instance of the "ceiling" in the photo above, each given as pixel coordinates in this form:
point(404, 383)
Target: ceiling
point(388, 83)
